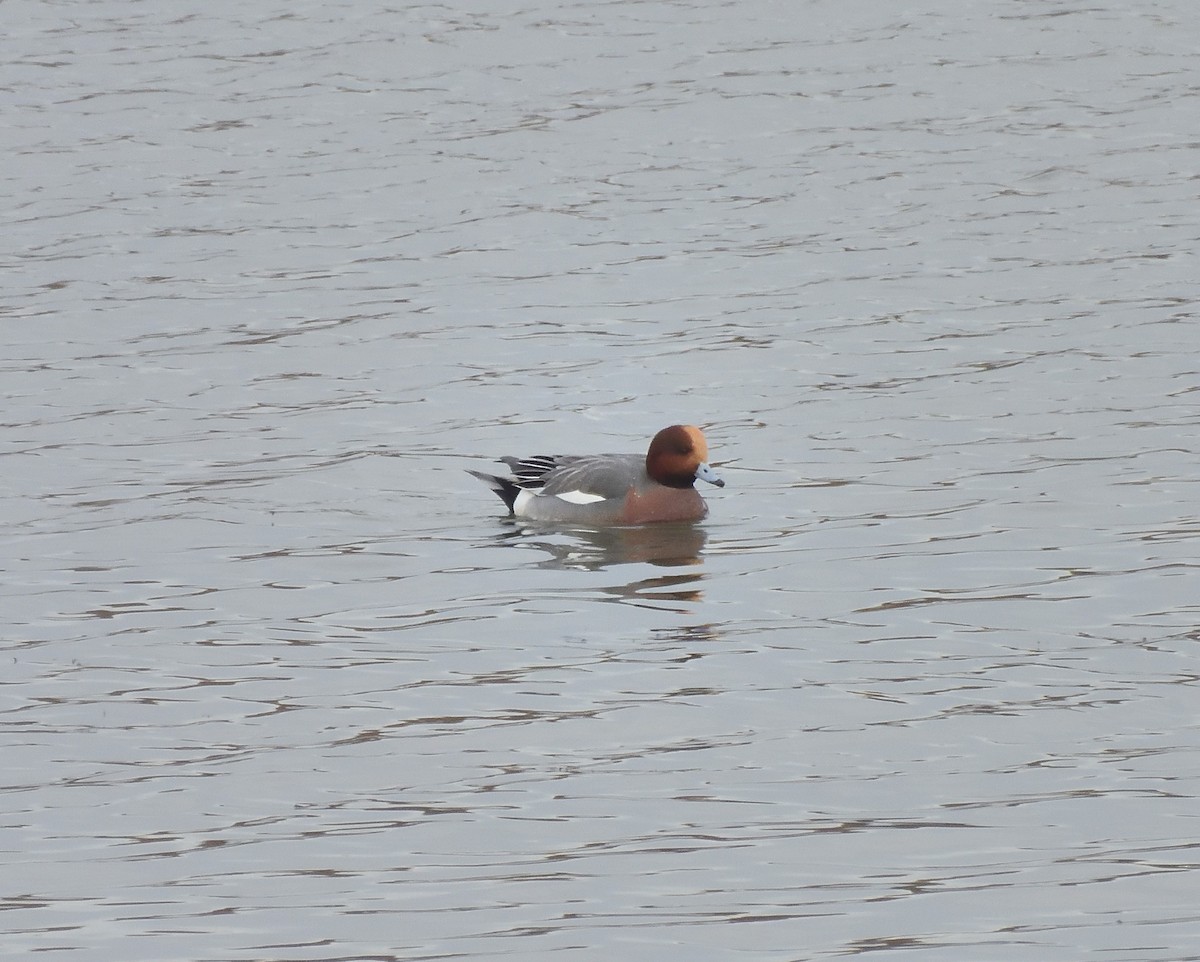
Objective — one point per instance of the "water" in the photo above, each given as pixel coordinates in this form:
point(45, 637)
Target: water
point(280, 683)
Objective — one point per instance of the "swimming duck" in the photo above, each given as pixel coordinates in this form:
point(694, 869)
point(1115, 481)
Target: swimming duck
point(603, 489)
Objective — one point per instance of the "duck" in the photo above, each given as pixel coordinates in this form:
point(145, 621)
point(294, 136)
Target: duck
point(611, 489)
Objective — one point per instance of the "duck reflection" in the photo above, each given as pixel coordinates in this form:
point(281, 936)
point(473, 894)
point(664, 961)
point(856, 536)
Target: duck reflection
point(598, 549)
point(593, 549)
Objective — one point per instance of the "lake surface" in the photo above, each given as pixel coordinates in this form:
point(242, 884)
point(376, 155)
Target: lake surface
point(281, 683)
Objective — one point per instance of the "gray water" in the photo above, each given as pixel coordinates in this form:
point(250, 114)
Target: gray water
point(279, 681)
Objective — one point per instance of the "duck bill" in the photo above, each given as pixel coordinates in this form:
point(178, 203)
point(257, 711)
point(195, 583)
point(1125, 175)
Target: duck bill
point(705, 473)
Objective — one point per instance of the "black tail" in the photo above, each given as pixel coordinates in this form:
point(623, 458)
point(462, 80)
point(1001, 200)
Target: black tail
point(506, 488)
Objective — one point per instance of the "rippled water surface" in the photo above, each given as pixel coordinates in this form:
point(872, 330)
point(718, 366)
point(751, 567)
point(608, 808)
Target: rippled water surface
point(280, 683)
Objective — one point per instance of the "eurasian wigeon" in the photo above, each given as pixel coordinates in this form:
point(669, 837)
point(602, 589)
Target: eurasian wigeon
point(597, 489)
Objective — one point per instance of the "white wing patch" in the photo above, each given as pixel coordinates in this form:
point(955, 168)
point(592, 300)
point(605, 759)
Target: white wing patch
point(580, 497)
